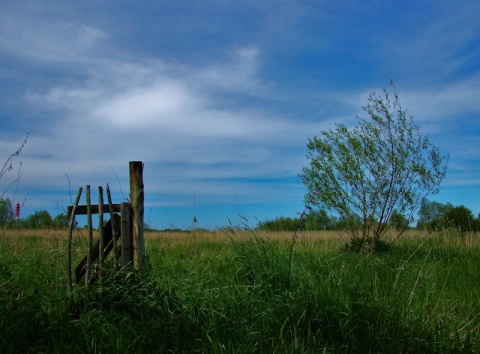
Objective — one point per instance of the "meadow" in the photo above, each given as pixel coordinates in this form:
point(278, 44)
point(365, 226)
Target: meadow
point(239, 291)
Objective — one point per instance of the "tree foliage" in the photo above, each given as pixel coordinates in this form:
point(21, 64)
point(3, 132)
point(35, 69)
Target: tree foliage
point(398, 221)
point(461, 218)
point(435, 216)
point(316, 220)
point(6, 211)
point(61, 221)
point(431, 213)
point(41, 219)
point(278, 224)
point(380, 168)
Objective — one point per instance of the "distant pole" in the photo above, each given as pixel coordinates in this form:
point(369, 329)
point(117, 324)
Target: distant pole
point(137, 201)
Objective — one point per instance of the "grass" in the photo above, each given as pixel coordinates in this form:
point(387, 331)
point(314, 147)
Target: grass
point(232, 292)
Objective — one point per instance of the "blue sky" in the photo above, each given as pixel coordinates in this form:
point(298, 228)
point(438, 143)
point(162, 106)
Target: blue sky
point(218, 98)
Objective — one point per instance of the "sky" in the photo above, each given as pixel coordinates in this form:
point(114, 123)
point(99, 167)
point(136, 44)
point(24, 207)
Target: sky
point(218, 98)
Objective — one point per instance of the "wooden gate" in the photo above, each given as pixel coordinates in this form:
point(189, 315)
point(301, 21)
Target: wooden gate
point(123, 233)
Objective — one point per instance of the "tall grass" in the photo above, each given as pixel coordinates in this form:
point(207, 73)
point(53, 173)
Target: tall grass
point(236, 294)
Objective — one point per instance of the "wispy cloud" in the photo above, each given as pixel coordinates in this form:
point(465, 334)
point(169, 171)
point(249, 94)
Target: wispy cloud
point(168, 115)
point(441, 42)
point(31, 37)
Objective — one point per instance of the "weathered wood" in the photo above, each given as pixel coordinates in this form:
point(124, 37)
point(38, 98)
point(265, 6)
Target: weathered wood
point(129, 225)
point(80, 271)
point(116, 253)
point(69, 249)
point(137, 201)
point(82, 209)
point(101, 245)
point(127, 235)
point(90, 238)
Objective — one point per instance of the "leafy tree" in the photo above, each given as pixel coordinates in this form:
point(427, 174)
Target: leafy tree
point(320, 220)
point(435, 216)
point(61, 221)
point(431, 213)
point(281, 223)
point(6, 211)
point(365, 173)
point(315, 220)
point(460, 218)
point(39, 220)
point(346, 223)
point(398, 221)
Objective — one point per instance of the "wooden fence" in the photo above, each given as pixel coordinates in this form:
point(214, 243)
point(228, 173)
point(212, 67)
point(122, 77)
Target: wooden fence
point(123, 233)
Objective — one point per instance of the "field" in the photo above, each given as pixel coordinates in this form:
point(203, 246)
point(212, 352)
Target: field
point(240, 292)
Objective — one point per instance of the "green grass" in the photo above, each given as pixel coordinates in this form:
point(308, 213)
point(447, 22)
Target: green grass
point(237, 297)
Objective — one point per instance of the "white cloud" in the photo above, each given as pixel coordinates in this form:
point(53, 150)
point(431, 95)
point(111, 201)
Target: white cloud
point(164, 114)
point(161, 99)
point(147, 106)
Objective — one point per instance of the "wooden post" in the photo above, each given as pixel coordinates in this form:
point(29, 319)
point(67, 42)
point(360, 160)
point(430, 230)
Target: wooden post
point(137, 200)
point(126, 232)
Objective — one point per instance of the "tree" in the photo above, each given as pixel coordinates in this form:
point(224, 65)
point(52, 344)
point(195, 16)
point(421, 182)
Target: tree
point(320, 220)
point(6, 211)
point(461, 218)
point(281, 223)
point(398, 221)
point(39, 220)
point(315, 220)
point(61, 221)
point(431, 213)
point(435, 216)
point(367, 172)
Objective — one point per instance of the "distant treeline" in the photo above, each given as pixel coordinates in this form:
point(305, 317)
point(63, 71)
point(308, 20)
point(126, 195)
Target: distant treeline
point(432, 216)
point(41, 219)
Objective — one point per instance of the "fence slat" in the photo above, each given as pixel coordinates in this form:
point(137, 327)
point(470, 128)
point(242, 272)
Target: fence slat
point(69, 250)
point(101, 244)
point(114, 231)
point(127, 235)
point(90, 238)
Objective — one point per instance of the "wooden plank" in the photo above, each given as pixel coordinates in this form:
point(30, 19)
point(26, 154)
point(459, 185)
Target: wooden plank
point(82, 209)
point(109, 237)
